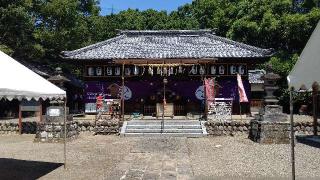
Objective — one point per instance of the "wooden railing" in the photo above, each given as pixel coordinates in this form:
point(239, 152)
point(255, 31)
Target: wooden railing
point(149, 110)
point(179, 110)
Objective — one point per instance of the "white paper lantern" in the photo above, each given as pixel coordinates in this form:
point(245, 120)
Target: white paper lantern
point(233, 69)
point(90, 71)
point(150, 70)
point(202, 70)
point(165, 71)
point(221, 69)
point(99, 71)
point(213, 70)
point(159, 71)
point(127, 71)
point(241, 69)
point(170, 71)
point(136, 70)
point(109, 71)
point(194, 70)
point(117, 71)
point(180, 70)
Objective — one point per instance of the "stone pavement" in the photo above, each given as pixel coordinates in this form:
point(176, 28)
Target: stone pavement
point(156, 159)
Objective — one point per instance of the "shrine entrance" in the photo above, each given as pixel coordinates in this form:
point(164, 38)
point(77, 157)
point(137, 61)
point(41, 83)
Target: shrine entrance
point(165, 102)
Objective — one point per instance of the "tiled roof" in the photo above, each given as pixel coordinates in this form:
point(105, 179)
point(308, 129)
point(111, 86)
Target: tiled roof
point(47, 72)
point(168, 44)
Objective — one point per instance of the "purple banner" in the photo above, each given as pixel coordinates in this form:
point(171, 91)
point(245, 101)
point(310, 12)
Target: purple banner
point(143, 89)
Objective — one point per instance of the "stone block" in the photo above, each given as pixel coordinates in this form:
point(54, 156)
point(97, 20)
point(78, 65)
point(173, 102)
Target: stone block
point(270, 132)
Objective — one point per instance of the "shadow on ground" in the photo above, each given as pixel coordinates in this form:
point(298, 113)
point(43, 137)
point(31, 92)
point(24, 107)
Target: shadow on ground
point(313, 141)
point(22, 169)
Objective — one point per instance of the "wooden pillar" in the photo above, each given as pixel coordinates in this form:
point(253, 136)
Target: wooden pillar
point(205, 98)
point(20, 120)
point(205, 113)
point(315, 89)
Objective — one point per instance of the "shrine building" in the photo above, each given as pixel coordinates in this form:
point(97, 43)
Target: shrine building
point(167, 63)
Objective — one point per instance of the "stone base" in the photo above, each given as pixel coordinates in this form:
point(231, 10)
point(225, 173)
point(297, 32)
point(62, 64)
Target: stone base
point(269, 132)
point(107, 126)
point(54, 131)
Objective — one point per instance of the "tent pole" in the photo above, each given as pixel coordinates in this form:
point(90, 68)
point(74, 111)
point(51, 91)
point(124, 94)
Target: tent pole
point(20, 119)
point(315, 89)
point(65, 134)
point(292, 136)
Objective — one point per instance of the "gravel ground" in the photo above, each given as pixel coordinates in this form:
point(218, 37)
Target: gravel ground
point(240, 157)
point(114, 157)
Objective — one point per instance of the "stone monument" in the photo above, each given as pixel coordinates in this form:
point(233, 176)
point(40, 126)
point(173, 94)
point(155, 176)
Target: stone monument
point(52, 128)
point(270, 125)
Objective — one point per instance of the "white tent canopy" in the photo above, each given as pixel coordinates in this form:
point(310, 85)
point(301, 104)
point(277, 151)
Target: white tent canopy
point(19, 82)
point(307, 69)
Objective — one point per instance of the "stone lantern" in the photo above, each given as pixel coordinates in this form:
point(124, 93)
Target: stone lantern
point(270, 80)
point(271, 125)
point(272, 111)
point(52, 128)
point(58, 79)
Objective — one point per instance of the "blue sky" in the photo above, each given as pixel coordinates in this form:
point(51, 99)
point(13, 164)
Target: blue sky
point(119, 5)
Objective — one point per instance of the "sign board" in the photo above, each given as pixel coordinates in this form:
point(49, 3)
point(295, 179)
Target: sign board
point(55, 111)
point(220, 109)
point(32, 106)
point(55, 114)
point(90, 108)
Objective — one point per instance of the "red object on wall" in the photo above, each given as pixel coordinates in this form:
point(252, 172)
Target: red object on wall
point(209, 89)
point(99, 102)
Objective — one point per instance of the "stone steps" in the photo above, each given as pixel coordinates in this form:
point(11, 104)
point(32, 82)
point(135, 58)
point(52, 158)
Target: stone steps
point(166, 122)
point(164, 130)
point(150, 126)
point(190, 135)
point(174, 128)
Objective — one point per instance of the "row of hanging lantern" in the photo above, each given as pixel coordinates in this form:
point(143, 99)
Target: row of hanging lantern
point(167, 70)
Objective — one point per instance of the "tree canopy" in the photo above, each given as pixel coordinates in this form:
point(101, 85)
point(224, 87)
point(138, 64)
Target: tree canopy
point(41, 29)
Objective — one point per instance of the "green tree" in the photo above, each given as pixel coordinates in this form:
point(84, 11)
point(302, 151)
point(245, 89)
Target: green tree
point(131, 19)
point(63, 25)
point(16, 29)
